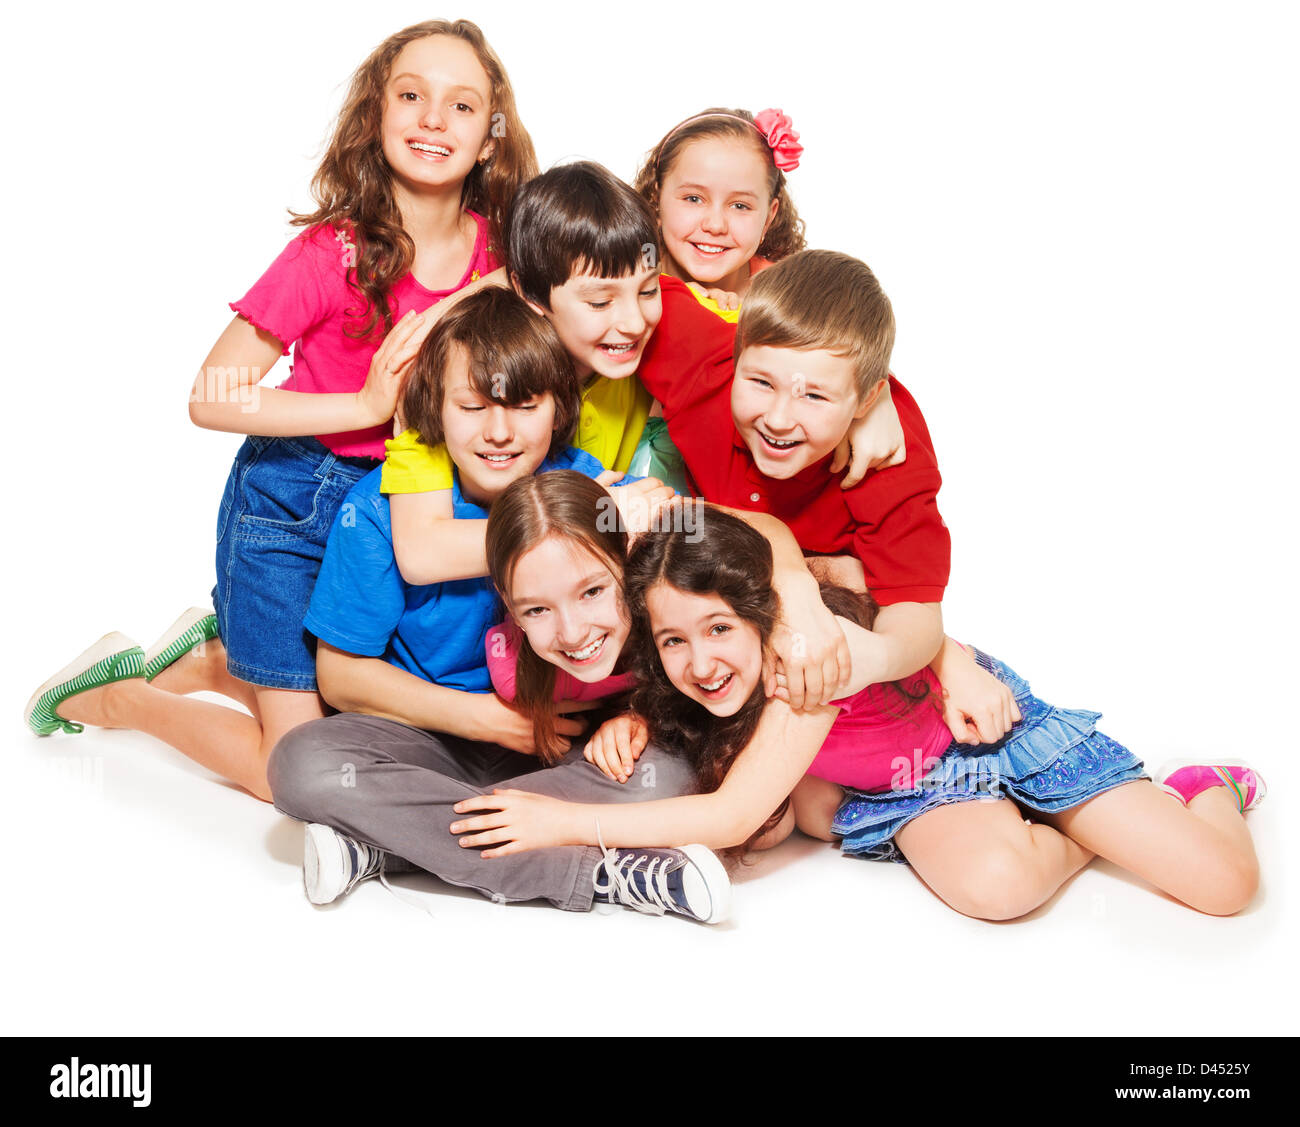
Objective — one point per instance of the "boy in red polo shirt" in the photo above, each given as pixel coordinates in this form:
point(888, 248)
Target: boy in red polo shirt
point(811, 356)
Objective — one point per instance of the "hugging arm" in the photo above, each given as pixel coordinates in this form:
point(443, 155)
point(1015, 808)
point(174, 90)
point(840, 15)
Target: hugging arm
point(430, 544)
point(371, 685)
point(760, 779)
point(225, 395)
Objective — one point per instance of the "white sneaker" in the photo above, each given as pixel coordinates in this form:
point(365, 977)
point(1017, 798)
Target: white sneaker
point(332, 863)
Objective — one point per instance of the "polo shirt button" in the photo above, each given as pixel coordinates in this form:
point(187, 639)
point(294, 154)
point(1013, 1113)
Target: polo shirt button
point(754, 496)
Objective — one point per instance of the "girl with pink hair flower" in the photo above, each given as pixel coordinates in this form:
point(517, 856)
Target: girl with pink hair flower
point(717, 184)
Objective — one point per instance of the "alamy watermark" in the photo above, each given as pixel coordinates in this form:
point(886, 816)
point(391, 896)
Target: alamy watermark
point(634, 513)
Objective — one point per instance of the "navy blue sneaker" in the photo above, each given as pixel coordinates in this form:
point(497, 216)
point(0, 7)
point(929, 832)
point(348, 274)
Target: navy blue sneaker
point(689, 881)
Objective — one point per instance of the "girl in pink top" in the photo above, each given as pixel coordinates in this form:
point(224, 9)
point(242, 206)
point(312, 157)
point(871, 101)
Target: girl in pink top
point(425, 157)
point(703, 609)
point(558, 567)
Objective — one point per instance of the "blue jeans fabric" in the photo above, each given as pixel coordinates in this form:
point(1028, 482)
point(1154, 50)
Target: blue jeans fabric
point(1051, 760)
point(279, 503)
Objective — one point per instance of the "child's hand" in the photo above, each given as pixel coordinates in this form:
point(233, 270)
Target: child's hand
point(810, 649)
point(515, 822)
point(640, 503)
point(510, 728)
point(725, 299)
point(377, 400)
point(874, 442)
point(976, 706)
point(616, 744)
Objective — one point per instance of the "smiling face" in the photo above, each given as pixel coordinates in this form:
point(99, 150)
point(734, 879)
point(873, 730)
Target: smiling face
point(491, 443)
point(792, 406)
point(437, 114)
point(604, 323)
point(714, 208)
point(708, 652)
point(566, 600)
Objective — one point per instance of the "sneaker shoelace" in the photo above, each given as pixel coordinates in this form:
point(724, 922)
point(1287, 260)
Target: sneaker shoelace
point(622, 887)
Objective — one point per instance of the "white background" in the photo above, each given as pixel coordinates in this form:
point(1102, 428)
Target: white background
point(1085, 217)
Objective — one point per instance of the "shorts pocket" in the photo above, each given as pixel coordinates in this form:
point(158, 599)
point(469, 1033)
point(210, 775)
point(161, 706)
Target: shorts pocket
point(282, 499)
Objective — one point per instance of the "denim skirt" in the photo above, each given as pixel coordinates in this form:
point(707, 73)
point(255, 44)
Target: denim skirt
point(276, 513)
point(1051, 760)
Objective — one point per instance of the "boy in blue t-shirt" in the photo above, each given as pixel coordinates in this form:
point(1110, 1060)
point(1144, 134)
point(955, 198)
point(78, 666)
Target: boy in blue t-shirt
point(421, 729)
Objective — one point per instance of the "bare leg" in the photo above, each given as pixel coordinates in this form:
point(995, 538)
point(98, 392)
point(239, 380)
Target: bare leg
point(203, 669)
point(982, 859)
point(1201, 853)
point(222, 739)
point(777, 833)
point(815, 802)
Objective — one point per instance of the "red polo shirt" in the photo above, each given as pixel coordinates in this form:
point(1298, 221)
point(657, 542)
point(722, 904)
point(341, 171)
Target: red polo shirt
point(890, 520)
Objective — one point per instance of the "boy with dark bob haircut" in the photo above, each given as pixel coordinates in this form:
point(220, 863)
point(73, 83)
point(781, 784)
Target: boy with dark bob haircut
point(421, 728)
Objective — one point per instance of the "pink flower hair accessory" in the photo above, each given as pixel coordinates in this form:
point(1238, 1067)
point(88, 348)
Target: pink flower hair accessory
point(781, 138)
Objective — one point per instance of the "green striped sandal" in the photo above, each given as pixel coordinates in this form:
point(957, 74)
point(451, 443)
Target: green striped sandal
point(113, 658)
point(196, 626)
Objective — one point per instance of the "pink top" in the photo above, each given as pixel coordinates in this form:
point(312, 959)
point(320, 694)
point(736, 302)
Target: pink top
point(881, 741)
point(304, 299)
point(503, 644)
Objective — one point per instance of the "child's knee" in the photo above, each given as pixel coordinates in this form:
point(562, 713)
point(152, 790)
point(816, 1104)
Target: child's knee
point(778, 833)
point(1226, 888)
point(1000, 883)
point(815, 802)
point(302, 775)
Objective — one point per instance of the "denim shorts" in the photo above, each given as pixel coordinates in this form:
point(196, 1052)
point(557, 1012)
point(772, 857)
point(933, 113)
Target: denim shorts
point(1052, 759)
point(280, 501)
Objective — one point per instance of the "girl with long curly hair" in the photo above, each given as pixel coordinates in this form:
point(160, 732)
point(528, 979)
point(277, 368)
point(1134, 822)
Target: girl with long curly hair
point(426, 154)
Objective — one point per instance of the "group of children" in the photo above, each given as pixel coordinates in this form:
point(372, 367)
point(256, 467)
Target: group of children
point(649, 569)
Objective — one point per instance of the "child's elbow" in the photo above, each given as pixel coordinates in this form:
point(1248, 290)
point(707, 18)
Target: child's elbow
point(203, 412)
point(332, 684)
point(410, 566)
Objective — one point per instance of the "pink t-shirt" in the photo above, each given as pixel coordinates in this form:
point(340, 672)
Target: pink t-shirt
point(880, 740)
point(503, 644)
point(304, 299)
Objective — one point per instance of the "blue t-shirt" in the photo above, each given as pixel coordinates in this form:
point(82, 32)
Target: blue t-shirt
point(362, 605)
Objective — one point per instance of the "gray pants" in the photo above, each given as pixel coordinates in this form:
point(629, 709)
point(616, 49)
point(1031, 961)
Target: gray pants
point(392, 786)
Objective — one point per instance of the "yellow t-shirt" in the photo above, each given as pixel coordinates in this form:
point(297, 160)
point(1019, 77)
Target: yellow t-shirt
point(731, 316)
point(610, 421)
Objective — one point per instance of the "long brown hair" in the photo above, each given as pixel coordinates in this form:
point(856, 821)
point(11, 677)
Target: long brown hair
point(726, 557)
point(353, 186)
point(561, 503)
point(785, 235)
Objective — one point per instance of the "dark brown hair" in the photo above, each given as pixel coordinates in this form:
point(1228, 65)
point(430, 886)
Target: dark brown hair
point(514, 354)
point(576, 218)
point(353, 185)
point(822, 299)
point(726, 557)
point(561, 503)
point(785, 235)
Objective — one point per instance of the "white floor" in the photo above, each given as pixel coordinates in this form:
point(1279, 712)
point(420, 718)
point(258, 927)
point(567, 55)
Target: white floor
point(147, 898)
point(1085, 219)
